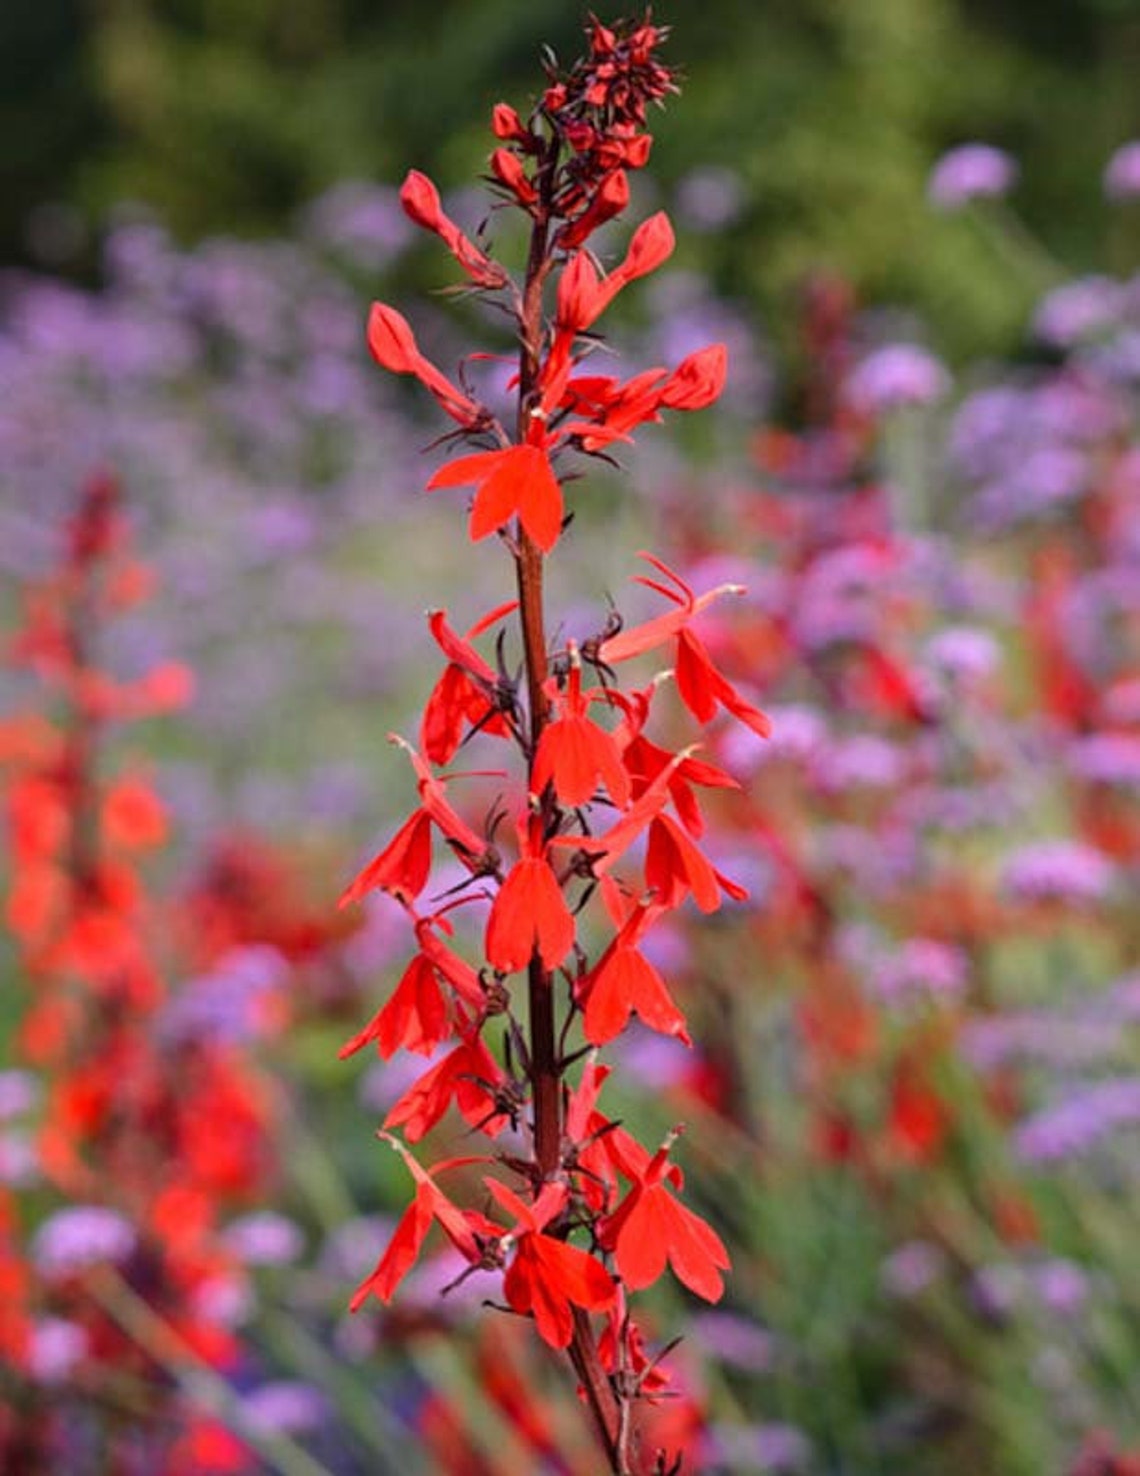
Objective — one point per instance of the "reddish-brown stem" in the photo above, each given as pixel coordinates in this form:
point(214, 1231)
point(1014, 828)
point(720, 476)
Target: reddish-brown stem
point(545, 1073)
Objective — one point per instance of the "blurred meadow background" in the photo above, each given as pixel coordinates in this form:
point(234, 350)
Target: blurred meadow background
point(914, 1104)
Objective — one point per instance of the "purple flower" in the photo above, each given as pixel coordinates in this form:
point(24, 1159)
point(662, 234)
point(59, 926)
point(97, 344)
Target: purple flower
point(265, 1238)
point(862, 761)
point(19, 1160)
point(1062, 1286)
point(1077, 310)
point(770, 1447)
point(911, 1268)
point(286, 1404)
point(56, 1346)
point(710, 199)
point(74, 1239)
point(899, 374)
point(1040, 1037)
point(972, 171)
point(964, 653)
point(735, 1340)
point(1079, 1121)
point(921, 966)
point(1107, 758)
point(19, 1092)
point(1122, 172)
point(1062, 870)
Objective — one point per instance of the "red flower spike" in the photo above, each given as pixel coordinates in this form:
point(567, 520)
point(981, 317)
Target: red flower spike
point(516, 481)
point(651, 1229)
point(529, 914)
point(421, 203)
point(392, 344)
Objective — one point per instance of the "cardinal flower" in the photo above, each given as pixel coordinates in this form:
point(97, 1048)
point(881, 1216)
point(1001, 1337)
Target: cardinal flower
point(701, 686)
point(467, 1230)
point(574, 752)
point(624, 982)
point(529, 914)
point(517, 480)
point(468, 1075)
point(650, 1229)
point(547, 1276)
point(415, 1018)
point(393, 345)
point(421, 203)
point(463, 698)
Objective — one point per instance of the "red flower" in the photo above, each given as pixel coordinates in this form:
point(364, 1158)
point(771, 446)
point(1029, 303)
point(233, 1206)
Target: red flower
point(547, 1275)
point(462, 698)
point(529, 913)
point(465, 1229)
point(517, 480)
point(650, 1228)
point(623, 982)
point(421, 203)
point(415, 1018)
point(701, 686)
point(468, 1075)
point(574, 753)
point(393, 346)
point(674, 867)
point(402, 867)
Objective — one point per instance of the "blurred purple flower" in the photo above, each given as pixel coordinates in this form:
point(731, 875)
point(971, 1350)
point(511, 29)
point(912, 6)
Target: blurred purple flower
point(74, 1239)
point(861, 761)
point(265, 1238)
point(1122, 172)
point(19, 1160)
point(1077, 310)
point(55, 1348)
point(286, 1404)
point(732, 1339)
point(771, 1447)
point(1107, 758)
point(1061, 1285)
point(921, 966)
point(1040, 1037)
point(964, 653)
point(896, 375)
point(19, 1093)
point(1061, 870)
point(1077, 1122)
point(710, 199)
point(971, 171)
point(911, 1268)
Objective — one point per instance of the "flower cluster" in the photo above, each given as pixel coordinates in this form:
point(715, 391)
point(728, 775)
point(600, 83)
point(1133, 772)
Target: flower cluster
point(155, 1126)
point(599, 837)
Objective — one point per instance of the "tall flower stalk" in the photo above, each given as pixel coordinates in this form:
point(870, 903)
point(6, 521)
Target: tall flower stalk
point(584, 1214)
